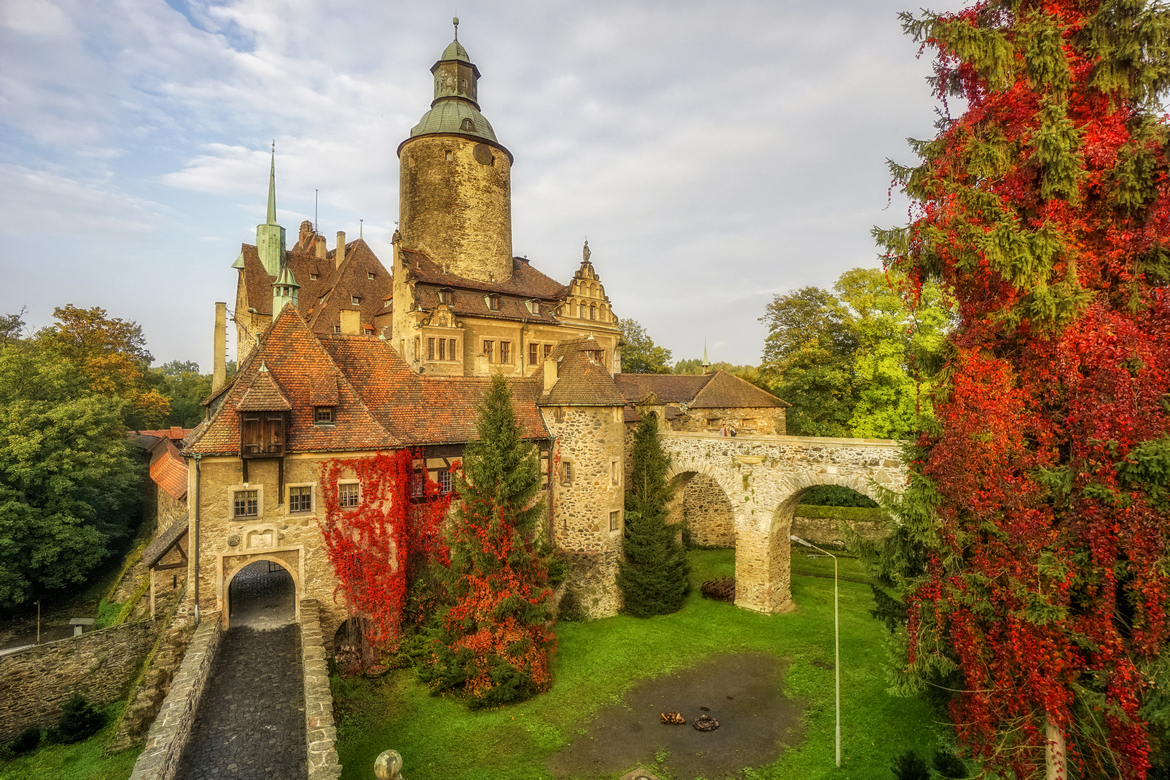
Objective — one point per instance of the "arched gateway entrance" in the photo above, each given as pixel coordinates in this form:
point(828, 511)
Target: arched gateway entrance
point(762, 478)
point(260, 594)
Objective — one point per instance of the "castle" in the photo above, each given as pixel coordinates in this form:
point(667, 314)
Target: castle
point(340, 357)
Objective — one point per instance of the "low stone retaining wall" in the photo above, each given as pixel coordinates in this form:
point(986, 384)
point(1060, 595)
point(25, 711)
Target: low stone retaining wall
point(320, 733)
point(168, 736)
point(822, 530)
point(34, 683)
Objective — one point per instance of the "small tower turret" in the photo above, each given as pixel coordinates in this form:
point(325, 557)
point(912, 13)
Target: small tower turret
point(284, 290)
point(269, 235)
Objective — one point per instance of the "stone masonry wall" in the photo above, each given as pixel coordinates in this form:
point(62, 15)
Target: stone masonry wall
point(320, 733)
point(34, 683)
point(168, 736)
point(820, 530)
point(708, 513)
point(746, 422)
point(592, 441)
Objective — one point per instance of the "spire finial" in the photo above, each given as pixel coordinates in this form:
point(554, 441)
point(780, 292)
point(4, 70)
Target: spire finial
point(706, 362)
point(272, 187)
point(455, 22)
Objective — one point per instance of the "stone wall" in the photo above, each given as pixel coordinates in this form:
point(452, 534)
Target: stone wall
point(766, 421)
point(592, 441)
point(707, 513)
point(168, 736)
point(99, 665)
point(320, 733)
point(821, 530)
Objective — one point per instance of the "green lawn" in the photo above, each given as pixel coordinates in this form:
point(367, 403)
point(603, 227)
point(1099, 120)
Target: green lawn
point(598, 661)
point(79, 761)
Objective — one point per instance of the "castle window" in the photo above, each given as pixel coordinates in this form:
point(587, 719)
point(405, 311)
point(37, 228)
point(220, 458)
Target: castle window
point(533, 306)
point(614, 519)
point(488, 346)
point(446, 296)
point(505, 352)
point(348, 494)
point(312, 277)
point(368, 331)
point(300, 498)
point(430, 349)
point(532, 354)
point(442, 349)
point(468, 125)
point(355, 300)
point(370, 275)
point(246, 503)
point(613, 472)
point(566, 473)
point(337, 329)
point(493, 302)
point(449, 155)
point(445, 481)
point(547, 350)
point(451, 347)
point(592, 312)
point(261, 433)
point(323, 415)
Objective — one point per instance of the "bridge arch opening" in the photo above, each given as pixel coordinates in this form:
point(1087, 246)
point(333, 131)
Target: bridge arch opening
point(261, 594)
point(702, 510)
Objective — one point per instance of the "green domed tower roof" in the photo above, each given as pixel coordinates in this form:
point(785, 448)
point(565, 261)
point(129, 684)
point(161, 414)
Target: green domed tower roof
point(455, 109)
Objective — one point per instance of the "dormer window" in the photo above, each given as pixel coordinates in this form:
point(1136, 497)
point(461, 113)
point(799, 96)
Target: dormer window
point(313, 277)
point(337, 330)
point(323, 415)
point(371, 275)
point(261, 433)
point(467, 125)
point(533, 306)
point(355, 300)
point(493, 302)
point(368, 331)
point(446, 296)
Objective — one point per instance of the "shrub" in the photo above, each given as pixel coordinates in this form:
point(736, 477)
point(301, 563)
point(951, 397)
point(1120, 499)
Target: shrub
point(26, 742)
point(79, 719)
point(569, 610)
point(909, 766)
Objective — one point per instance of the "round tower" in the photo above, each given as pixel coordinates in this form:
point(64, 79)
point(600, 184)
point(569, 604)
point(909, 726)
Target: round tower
point(455, 191)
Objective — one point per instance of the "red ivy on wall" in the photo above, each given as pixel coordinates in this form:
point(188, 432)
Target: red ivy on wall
point(378, 546)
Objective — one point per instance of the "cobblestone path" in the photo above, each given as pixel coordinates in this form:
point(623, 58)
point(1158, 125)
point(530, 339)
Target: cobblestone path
point(251, 721)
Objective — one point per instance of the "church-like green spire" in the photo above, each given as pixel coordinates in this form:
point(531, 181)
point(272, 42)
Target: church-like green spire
point(272, 188)
point(269, 234)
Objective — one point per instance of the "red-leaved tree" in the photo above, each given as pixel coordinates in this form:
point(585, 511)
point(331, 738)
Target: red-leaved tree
point(388, 532)
point(1039, 501)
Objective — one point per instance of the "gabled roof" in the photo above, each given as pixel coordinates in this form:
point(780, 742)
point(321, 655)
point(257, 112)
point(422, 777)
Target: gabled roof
point(295, 359)
point(262, 394)
point(582, 380)
point(168, 470)
point(720, 390)
point(526, 281)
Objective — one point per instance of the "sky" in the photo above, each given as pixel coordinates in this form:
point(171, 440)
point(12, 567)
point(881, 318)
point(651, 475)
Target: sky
point(715, 154)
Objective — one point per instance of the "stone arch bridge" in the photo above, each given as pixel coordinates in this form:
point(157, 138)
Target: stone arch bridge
point(763, 478)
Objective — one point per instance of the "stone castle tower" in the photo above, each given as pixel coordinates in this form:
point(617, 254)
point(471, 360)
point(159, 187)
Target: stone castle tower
point(455, 192)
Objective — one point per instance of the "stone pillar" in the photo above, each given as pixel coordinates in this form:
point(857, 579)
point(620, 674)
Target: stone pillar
point(218, 362)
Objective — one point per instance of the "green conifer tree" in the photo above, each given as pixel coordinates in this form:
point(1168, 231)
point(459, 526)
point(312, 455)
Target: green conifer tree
point(497, 640)
point(654, 577)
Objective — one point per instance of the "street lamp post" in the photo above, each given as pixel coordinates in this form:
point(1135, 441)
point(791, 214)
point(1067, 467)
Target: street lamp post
point(836, 635)
point(38, 621)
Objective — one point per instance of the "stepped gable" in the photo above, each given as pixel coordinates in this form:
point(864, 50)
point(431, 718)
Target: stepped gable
point(335, 285)
point(669, 388)
point(422, 410)
point(295, 360)
point(727, 391)
point(526, 284)
point(582, 378)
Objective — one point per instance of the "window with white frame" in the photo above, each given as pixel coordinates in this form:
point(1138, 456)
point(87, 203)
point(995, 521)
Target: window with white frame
point(348, 494)
point(300, 498)
point(445, 481)
point(246, 503)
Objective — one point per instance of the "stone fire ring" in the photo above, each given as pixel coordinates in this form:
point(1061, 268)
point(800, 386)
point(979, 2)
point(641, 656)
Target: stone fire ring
point(706, 723)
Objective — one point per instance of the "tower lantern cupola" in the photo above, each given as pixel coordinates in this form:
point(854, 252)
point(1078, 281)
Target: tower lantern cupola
point(455, 186)
point(269, 235)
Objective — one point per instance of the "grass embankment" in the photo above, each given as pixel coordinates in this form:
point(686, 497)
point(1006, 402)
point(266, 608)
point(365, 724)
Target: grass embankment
point(83, 760)
point(597, 662)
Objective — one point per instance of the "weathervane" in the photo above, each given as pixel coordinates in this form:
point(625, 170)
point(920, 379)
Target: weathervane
point(455, 21)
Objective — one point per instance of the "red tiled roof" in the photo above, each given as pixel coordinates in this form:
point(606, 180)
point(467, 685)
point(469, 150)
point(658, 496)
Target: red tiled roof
point(727, 391)
point(324, 391)
point(670, 388)
point(168, 470)
point(526, 281)
point(263, 394)
point(581, 380)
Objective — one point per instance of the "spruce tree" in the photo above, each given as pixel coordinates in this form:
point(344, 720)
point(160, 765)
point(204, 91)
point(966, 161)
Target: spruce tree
point(497, 640)
point(654, 577)
point(1040, 498)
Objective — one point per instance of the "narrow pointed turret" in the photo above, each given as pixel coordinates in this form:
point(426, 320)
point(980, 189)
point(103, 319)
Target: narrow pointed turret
point(706, 362)
point(284, 290)
point(270, 235)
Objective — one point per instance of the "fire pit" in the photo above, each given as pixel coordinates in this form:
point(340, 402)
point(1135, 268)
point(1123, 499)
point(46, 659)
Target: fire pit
point(706, 723)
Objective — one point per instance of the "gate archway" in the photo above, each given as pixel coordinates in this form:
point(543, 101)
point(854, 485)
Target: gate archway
point(261, 593)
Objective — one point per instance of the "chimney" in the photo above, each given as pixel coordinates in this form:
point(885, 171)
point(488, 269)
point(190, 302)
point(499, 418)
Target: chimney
point(550, 374)
point(319, 246)
point(219, 367)
point(351, 322)
point(340, 253)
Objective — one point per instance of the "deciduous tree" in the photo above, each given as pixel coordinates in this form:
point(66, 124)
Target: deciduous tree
point(1039, 500)
point(184, 388)
point(640, 355)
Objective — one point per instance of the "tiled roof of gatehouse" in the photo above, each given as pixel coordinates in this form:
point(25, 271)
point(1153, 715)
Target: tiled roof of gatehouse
point(581, 381)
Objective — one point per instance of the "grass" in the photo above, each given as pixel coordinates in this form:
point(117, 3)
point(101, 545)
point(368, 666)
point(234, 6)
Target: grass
point(597, 662)
point(83, 760)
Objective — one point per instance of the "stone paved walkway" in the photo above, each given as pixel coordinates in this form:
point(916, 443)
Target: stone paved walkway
point(251, 721)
